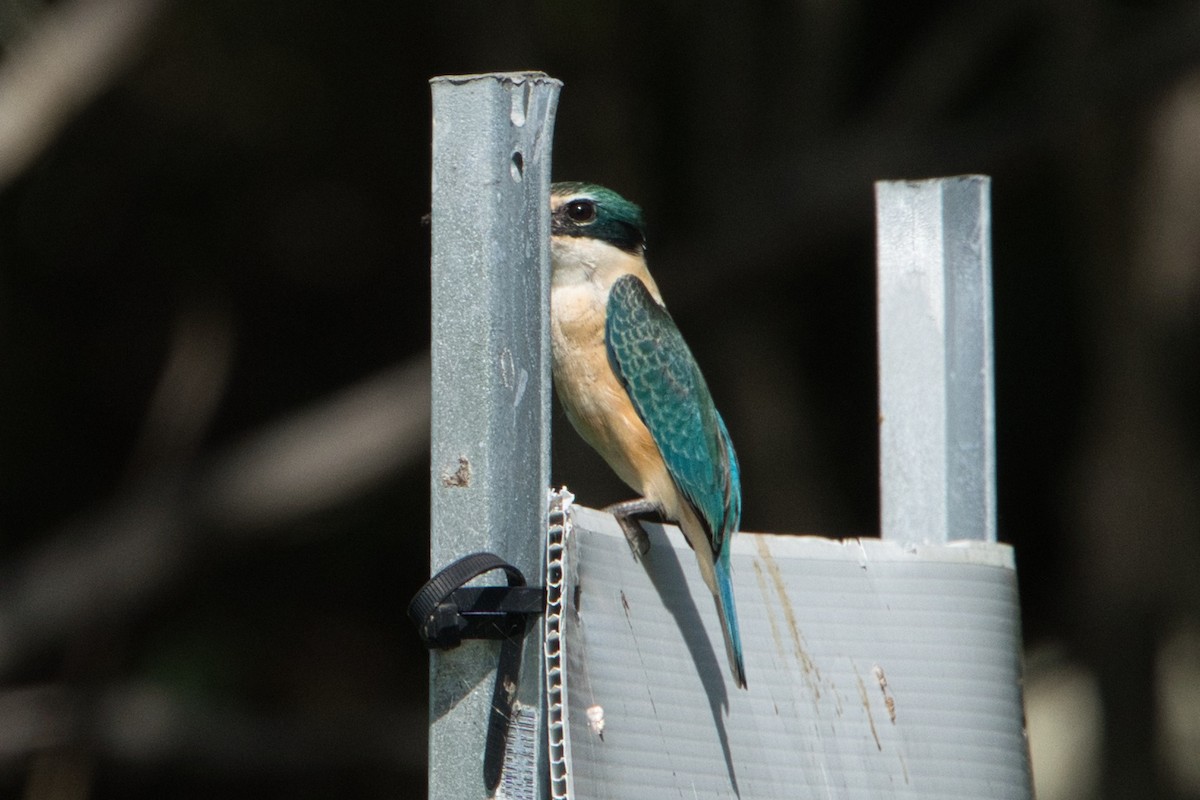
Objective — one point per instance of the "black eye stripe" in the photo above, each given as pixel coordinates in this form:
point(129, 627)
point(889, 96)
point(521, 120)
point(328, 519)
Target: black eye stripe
point(611, 220)
point(581, 211)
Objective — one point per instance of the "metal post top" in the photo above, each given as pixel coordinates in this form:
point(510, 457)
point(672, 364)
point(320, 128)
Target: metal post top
point(915, 183)
point(532, 76)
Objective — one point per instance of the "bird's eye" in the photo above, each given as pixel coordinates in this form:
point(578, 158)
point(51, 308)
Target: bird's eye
point(581, 211)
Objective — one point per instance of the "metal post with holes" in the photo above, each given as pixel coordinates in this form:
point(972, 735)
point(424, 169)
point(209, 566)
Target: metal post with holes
point(937, 449)
point(490, 462)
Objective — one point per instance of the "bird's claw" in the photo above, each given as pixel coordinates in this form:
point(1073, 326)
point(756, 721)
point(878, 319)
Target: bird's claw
point(635, 534)
point(625, 514)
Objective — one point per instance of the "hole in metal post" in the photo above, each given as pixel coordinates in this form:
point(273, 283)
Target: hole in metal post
point(518, 166)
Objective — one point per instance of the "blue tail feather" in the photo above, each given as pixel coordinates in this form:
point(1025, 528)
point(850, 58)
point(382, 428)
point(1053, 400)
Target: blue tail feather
point(728, 616)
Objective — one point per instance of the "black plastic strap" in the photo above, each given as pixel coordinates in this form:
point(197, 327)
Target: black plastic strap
point(446, 612)
point(440, 609)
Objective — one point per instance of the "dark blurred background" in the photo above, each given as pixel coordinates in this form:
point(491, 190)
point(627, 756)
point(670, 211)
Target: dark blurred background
point(214, 318)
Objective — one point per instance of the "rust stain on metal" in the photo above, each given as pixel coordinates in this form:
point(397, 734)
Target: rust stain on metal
point(762, 588)
point(458, 478)
point(837, 699)
point(789, 614)
point(888, 700)
point(866, 704)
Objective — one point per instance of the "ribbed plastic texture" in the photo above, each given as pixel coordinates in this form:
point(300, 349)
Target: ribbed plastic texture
point(876, 670)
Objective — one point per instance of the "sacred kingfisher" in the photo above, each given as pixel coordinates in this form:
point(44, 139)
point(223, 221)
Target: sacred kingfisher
point(630, 386)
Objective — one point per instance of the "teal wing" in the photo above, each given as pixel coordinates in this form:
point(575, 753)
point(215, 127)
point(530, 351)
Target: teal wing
point(648, 354)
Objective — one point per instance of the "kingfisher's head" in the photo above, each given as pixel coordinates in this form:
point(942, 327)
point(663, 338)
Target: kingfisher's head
point(596, 236)
point(587, 211)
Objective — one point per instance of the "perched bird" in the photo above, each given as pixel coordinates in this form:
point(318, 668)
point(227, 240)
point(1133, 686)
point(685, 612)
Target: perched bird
point(630, 386)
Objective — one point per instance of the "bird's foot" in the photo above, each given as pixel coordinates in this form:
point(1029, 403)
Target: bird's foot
point(639, 542)
point(625, 514)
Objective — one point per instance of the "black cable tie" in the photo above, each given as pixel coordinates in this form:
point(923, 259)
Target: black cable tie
point(446, 611)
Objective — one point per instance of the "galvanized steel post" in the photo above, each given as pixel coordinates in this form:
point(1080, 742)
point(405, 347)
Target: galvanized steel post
point(936, 425)
point(490, 449)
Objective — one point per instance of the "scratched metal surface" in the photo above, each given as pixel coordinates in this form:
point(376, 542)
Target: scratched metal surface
point(490, 410)
point(876, 670)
